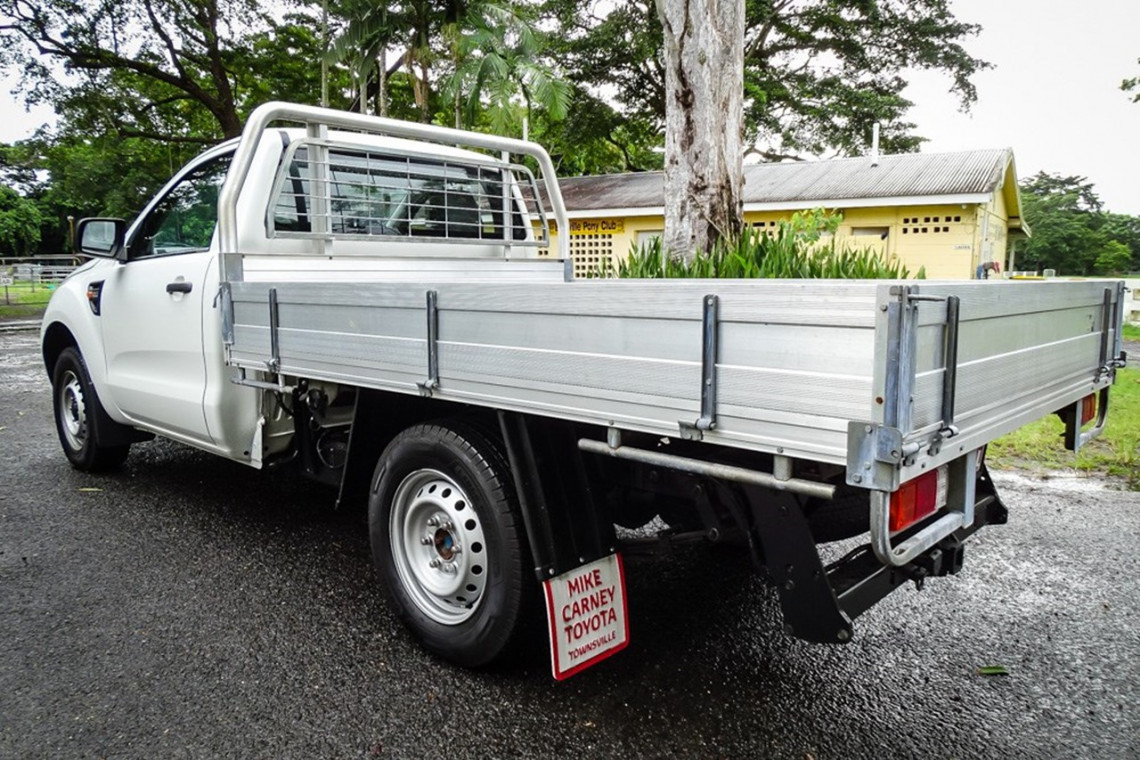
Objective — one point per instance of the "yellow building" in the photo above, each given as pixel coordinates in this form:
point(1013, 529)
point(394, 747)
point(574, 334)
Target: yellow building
point(947, 212)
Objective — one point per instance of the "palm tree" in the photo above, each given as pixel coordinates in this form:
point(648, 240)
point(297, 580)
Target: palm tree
point(370, 29)
point(493, 50)
point(496, 59)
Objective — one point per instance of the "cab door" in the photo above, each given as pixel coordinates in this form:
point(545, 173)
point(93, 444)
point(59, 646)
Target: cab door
point(153, 307)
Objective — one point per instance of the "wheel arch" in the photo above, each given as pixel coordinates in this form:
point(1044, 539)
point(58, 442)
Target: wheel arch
point(378, 418)
point(56, 338)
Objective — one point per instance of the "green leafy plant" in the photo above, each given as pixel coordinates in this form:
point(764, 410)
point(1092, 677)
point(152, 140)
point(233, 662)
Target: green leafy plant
point(804, 247)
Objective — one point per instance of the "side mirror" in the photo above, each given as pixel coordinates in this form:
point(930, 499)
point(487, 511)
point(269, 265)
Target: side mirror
point(101, 237)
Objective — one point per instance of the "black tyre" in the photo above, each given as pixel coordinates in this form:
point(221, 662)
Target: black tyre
point(78, 415)
point(448, 541)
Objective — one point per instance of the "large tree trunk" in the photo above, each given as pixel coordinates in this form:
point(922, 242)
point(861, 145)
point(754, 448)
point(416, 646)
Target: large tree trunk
point(704, 90)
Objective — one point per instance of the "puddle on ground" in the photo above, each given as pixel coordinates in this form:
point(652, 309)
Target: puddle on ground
point(1057, 480)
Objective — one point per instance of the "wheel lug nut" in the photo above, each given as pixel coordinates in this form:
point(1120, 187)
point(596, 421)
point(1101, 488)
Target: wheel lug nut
point(433, 522)
point(426, 541)
point(434, 563)
point(448, 526)
point(450, 567)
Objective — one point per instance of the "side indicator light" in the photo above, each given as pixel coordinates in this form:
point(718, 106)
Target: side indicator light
point(95, 297)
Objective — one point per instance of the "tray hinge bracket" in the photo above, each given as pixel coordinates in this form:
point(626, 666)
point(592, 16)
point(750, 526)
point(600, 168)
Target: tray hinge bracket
point(949, 378)
point(432, 383)
point(274, 363)
point(694, 431)
point(903, 324)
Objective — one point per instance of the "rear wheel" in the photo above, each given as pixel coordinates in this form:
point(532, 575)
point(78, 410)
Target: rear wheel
point(76, 410)
point(447, 540)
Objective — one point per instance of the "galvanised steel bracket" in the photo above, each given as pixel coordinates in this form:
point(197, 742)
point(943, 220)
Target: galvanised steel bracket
point(274, 362)
point(950, 376)
point(426, 387)
point(694, 431)
point(874, 454)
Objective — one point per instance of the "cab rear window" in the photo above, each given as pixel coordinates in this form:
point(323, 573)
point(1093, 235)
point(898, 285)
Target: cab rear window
point(380, 194)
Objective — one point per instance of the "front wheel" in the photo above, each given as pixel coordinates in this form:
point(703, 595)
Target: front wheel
point(76, 409)
point(447, 540)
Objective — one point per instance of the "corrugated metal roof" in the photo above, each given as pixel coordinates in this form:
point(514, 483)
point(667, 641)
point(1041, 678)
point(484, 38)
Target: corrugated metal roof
point(895, 176)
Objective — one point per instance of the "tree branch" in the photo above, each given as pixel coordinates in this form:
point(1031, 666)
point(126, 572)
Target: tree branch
point(180, 139)
point(166, 39)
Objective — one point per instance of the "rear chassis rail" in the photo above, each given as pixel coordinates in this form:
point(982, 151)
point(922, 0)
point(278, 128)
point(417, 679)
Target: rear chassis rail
point(860, 579)
point(819, 602)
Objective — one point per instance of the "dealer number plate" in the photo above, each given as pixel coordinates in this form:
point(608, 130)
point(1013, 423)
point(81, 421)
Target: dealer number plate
point(588, 616)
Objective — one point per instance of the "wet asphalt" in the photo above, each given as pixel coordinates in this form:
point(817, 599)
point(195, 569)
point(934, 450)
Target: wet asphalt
point(187, 607)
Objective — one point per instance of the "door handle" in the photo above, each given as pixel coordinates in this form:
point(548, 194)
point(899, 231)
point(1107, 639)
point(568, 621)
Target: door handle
point(179, 287)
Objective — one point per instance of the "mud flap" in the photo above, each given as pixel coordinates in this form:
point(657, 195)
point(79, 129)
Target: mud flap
point(811, 609)
point(566, 525)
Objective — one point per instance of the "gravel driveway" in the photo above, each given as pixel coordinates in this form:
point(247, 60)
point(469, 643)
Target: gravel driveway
point(192, 608)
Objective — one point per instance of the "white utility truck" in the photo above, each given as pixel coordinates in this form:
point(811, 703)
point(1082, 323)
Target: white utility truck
point(373, 302)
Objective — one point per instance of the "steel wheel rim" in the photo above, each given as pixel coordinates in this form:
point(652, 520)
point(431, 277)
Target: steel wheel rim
point(72, 411)
point(438, 547)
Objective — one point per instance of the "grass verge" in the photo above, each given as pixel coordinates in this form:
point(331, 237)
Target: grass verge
point(1038, 447)
point(1131, 332)
point(21, 311)
point(23, 299)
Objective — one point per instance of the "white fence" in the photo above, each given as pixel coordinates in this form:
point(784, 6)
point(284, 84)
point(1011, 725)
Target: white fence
point(38, 274)
point(28, 283)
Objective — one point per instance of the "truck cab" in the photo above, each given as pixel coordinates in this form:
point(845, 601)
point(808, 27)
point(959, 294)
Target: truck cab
point(145, 317)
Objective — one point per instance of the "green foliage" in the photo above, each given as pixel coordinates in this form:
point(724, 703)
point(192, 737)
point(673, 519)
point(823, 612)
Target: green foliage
point(466, 64)
point(93, 176)
point(798, 250)
point(595, 139)
point(367, 30)
point(20, 223)
point(497, 59)
point(18, 167)
point(1071, 232)
point(279, 62)
point(1113, 258)
point(1132, 85)
point(1126, 230)
point(182, 70)
point(1116, 452)
point(139, 88)
point(104, 176)
point(817, 73)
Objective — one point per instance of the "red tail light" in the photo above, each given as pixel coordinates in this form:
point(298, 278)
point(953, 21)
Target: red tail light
point(918, 498)
point(1088, 408)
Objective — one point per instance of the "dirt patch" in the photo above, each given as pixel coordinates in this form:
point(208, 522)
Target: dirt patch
point(1072, 481)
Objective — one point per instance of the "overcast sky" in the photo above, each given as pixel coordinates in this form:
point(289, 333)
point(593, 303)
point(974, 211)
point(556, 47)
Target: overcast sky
point(1054, 94)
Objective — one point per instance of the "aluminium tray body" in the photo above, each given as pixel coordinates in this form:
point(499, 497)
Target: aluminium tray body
point(796, 362)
